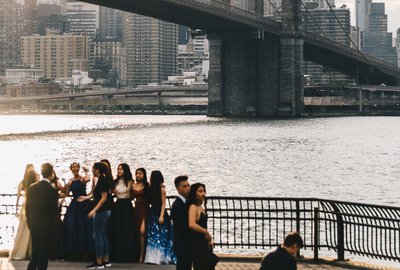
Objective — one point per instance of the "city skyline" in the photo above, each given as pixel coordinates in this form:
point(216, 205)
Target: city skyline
point(392, 8)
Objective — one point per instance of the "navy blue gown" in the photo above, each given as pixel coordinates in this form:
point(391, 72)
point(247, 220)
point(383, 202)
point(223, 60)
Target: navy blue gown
point(75, 239)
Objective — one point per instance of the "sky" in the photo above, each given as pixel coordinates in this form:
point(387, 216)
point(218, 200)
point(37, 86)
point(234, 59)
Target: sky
point(392, 10)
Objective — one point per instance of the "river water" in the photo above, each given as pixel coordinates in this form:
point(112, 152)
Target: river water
point(346, 158)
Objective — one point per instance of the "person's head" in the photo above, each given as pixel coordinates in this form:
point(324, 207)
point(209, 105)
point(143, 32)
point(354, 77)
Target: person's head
point(75, 167)
point(293, 243)
point(141, 175)
point(197, 194)
point(47, 171)
point(31, 177)
point(124, 172)
point(101, 169)
point(182, 185)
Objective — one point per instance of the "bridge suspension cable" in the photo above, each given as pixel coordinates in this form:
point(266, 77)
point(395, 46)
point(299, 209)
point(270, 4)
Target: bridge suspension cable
point(341, 26)
point(313, 18)
point(275, 8)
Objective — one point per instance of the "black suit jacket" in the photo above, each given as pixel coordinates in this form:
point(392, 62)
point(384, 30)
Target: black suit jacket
point(280, 259)
point(41, 208)
point(179, 215)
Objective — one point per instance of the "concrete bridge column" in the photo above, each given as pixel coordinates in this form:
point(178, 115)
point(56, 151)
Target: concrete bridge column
point(215, 91)
point(268, 76)
point(291, 81)
point(239, 58)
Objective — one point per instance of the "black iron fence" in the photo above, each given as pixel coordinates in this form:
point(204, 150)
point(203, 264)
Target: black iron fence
point(262, 223)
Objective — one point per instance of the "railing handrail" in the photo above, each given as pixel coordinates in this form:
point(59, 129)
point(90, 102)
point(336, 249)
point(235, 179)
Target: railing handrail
point(260, 222)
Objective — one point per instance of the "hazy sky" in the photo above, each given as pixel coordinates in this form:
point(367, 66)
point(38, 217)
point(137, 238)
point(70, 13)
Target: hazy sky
point(392, 9)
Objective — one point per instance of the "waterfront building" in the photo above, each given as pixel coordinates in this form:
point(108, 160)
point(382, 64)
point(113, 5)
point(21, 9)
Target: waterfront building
point(23, 75)
point(57, 55)
point(376, 40)
point(151, 49)
point(9, 34)
point(32, 89)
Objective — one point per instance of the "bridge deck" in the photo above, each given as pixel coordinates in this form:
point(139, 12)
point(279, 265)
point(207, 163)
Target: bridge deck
point(22, 265)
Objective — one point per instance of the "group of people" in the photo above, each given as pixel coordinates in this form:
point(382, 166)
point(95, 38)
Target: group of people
point(101, 219)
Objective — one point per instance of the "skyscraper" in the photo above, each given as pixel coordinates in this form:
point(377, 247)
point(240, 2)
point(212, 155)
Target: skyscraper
point(9, 34)
point(29, 19)
point(324, 22)
point(111, 24)
point(83, 18)
point(376, 41)
point(362, 11)
point(151, 49)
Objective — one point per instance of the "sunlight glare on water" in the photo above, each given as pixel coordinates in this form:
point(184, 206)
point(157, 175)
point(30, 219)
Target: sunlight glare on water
point(347, 158)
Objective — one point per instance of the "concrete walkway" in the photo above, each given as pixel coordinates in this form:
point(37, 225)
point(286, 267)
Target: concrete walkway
point(22, 265)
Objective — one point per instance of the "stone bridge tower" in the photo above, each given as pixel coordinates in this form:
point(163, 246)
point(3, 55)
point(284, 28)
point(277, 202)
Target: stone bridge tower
point(258, 75)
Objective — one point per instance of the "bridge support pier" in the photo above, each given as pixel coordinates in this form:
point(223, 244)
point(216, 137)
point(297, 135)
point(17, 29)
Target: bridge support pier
point(258, 76)
point(215, 98)
point(291, 81)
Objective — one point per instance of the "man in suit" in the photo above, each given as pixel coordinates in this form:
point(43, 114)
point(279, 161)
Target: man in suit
point(283, 257)
point(41, 209)
point(179, 215)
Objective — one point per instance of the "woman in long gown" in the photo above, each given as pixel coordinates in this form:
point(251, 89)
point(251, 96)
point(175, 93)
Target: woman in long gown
point(202, 244)
point(159, 245)
point(140, 190)
point(123, 232)
point(22, 243)
point(75, 239)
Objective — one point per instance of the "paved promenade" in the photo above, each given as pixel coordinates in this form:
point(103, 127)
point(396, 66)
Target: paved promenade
point(21, 265)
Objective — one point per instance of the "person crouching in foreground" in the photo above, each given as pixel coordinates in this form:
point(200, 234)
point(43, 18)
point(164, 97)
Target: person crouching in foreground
point(283, 258)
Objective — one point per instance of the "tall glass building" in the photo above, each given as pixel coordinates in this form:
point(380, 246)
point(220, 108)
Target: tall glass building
point(376, 41)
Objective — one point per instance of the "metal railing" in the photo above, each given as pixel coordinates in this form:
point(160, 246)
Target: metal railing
point(238, 223)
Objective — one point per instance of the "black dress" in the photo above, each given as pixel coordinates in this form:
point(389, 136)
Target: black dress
point(123, 240)
point(201, 251)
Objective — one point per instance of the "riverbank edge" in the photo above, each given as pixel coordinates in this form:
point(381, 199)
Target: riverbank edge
point(257, 259)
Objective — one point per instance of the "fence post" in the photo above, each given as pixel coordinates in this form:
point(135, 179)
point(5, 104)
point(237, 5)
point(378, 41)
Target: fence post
point(316, 233)
point(298, 223)
point(340, 233)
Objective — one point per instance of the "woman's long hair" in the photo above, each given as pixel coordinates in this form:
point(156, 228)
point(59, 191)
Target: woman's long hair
point(192, 194)
point(31, 178)
point(107, 162)
point(127, 177)
point(156, 180)
point(104, 171)
point(28, 169)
